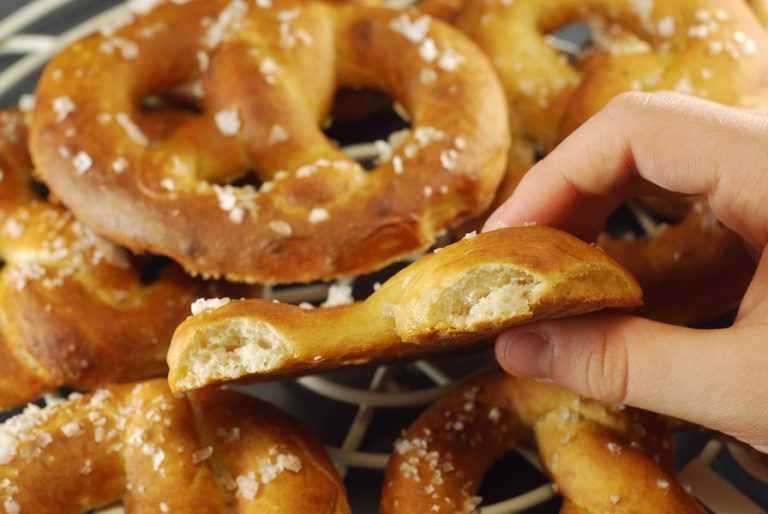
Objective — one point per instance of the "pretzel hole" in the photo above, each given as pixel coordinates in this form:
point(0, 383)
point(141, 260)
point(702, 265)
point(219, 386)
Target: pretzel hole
point(362, 116)
point(496, 485)
point(40, 189)
point(150, 268)
point(571, 40)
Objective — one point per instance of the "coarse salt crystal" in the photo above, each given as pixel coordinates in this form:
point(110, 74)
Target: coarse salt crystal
point(338, 294)
point(666, 27)
point(202, 455)
point(280, 227)
point(428, 50)
point(27, 102)
point(449, 60)
point(318, 214)
point(227, 121)
point(8, 446)
point(168, 184)
point(119, 165)
point(63, 106)
point(247, 486)
point(278, 134)
point(208, 304)
point(397, 165)
point(71, 429)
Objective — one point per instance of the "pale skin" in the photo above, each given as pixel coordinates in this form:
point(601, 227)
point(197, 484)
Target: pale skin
point(663, 142)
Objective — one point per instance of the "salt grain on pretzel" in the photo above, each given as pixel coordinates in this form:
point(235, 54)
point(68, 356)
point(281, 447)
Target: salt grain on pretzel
point(214, 451)
point(466, 293)
point(74, 309)
point(602, 458)
point(268, 79)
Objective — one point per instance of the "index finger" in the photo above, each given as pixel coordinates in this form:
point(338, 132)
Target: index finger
point(641, 143)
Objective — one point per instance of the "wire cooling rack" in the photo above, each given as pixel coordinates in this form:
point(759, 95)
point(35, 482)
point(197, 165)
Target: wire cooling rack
point(359, 413)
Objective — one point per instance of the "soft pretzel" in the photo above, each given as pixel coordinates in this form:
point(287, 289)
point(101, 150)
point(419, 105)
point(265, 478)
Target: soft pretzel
point(74, 310)
point(602, 458)
point(464, 293)
point(680, 269)
point(214, 451)
point(710, 48)
point(317, 214)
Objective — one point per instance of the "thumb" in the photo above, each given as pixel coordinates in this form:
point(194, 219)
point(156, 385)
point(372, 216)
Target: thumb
point(714, 378)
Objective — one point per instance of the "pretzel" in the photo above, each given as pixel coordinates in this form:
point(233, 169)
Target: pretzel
point(214, 451)
point(317, 214)
point(709, 48)
point(601, 458)
point(680, 269)
point(74, 309)
point(465, 293)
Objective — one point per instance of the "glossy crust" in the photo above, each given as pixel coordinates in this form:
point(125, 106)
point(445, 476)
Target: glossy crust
point(603, 459)
point(318, 214)
point(465, 293)
point(75, 311)
point(210, 452)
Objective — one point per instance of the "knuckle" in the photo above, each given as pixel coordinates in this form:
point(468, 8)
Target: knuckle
point(605, 373)
point(629, 100)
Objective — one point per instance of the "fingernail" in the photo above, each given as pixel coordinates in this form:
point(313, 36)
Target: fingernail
point(526, 354)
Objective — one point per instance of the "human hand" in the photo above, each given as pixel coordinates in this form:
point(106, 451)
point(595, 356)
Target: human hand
point(644, 143)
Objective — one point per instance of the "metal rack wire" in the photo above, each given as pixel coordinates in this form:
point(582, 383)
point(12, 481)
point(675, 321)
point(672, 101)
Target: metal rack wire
point(382, 391)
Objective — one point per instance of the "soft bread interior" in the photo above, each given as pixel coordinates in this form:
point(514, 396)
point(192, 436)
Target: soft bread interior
point(230, 348)
point(491, 293)
point(487, 294)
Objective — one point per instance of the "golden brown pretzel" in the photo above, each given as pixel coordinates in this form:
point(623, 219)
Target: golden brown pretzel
point(467, 292)
point(709, 48)
point(215, 451)
point(317, 214)
point(691, 272)
point(74, 309)
point(602, 458)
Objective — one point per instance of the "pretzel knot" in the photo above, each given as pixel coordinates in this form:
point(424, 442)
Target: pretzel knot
point(74, 308)
point(602, 458)
point(210, 452)
point(264, 78)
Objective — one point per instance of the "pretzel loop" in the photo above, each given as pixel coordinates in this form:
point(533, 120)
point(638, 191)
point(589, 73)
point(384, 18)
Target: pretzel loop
point(75, 310)
point(213, 452)
point(602, 458)
point(265, 78)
